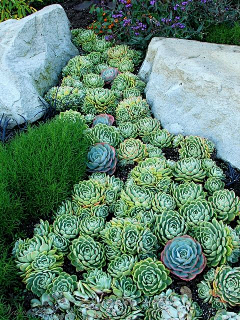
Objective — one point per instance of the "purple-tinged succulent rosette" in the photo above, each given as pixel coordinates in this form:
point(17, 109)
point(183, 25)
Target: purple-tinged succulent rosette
point(102, 158)
point(183, 257)
point(109, 74)
point(103, 118)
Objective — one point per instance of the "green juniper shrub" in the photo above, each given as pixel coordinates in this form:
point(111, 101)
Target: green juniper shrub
point(225, 34)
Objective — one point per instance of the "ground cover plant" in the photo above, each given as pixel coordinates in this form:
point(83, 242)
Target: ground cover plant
point(115, 246)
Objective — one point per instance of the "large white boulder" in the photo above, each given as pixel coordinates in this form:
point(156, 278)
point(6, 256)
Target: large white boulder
point(194, 88)
point(33, 52)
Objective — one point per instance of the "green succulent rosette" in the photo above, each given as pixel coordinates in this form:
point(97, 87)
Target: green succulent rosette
point(226, 285)
point(63, 98)
point(126, 288)
point(137, 196)
point(215, 172)
point(205, 291)
point(98, 280)
point(93, 80)
point(128, 130)
point(118, 308)
point(101, 211)
point(213, 184)
point(196, 211)
point(67, 226)
point(226, 315)
point(131, 109)
point(159, 138)
point(163, 201)
point(43, 228)
point(176, 140)
point(226, 204)
point(101, 45)
point(92, 226)
point(154, 151)
point(147, 125)
point(77, 67)
point(121, 266)
point(119, 208)
point(131, 150)
point(193, 146)
point(80, 36)
point(146, 217)
point(59, 242)
point(170, 305)
point(39, 281)
point(64, 282)
point(151, 276)
point(148, 242)
point(169, 224)
point(88, 193)
point(112, 233)
point(189, 169)
point(131, 92)
point(187, 192)
point(86, 253)
point(215, 240)
point(67, 207)
point(72, 81)
point(164, 185)
point(95, 57)
point(130, 238)
point(98, 101)
point(183, 257)
point(105, 133)
point(112, 252)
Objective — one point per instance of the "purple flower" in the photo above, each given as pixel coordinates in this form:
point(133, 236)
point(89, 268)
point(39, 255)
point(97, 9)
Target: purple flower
point(152, 2)
point(176, 6)
point(108, 38)
point(126, 22)
point(178, 25)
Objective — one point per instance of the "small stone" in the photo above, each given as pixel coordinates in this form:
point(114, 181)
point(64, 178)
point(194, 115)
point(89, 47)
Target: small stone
point(187, 291)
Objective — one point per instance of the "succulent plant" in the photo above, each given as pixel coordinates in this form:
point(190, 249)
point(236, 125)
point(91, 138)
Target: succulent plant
point(92, 80)
point(215, 240)
point(67, 226)
point(128, 80)
point(213, 184)
point(189, 169)
point(98, 280)
point(154, 151)
point(117, 52)
point(86, 253)
point(226, 285)
point(183, 257)
point(196, 211)
point(104, 133)
point(226, 204)
point(131, 110)
point(131, 92)
point(123, 65)
point(71, 115)
point(121, 266)
point(95, 57)
point(225, 315)
point(147, 242)
point(187, 192)
point(137, 196)
point(25, 251)
point(59, 242)
point(64, 282)
point(130, 238)
point(145, 217)
point(88, 193)
point(128, 130)
point(205, 291)
point(176, 140)
point(102, 158)
point(147, 125)
point(39, 281)
point(169, 305)
point(163, 201)
point(150, 172)
point(112, 234)
point(151, 276)
point(112, 252)
point(43, 228)
point(101, 45)
point(72, 81)
point(109, 74)
point(64, 98)
point(81, 36)
point(78, 66)
point(215, 172)
point(169, 224)
point(107, 119)
point(194, 147)
point(67, 207)
point(100, 211)
point(118, 308)
point(126, 288)
point(164, 185)
point(92, 226)
point(131, 150)
point(99, 100)
point(159, 138)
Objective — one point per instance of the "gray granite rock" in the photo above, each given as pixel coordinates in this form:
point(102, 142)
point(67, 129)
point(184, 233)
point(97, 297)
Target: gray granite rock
point(194, 89)
point(33, 52)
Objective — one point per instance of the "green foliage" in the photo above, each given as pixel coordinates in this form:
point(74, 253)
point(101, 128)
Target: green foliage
point(179, 307)
point(151, 276)
point(224, 33)
point(16, 9)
